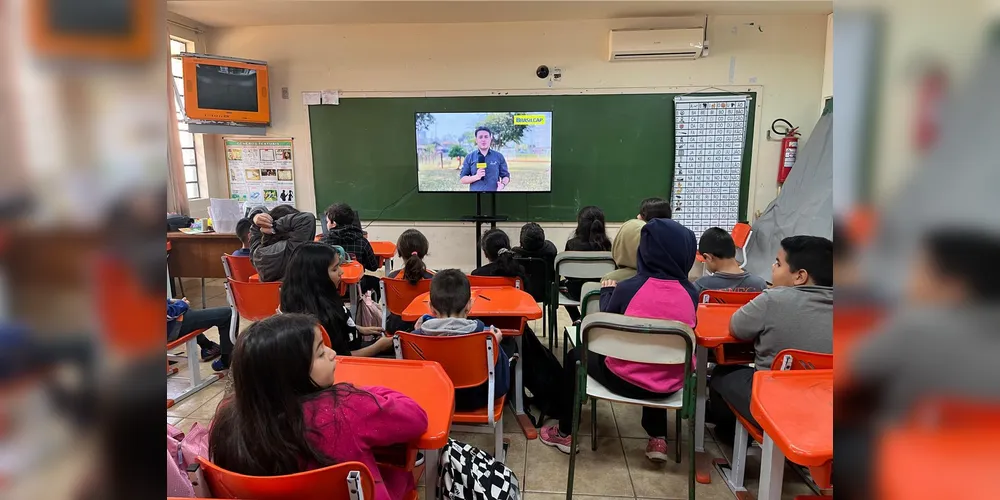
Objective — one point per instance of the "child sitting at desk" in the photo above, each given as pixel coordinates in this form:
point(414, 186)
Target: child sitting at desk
point(719, 251)
point(286, 415)
point(450, 301)
point(496, 247)
point(660, 290)
point(412, 247)
point(275, 235)
point(589, 236)
point(797, 313)
point(182, 320)
point(311, 287)
point(534, 244)
point(243, 233)
point(625, 250)
point(343, 233)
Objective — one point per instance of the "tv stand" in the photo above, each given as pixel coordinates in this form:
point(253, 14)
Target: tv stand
point(481, 219)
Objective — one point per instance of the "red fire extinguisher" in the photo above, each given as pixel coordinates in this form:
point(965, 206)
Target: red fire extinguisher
point(789, 148)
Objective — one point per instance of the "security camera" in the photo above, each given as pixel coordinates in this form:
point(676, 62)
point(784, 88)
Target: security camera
point(542, 72)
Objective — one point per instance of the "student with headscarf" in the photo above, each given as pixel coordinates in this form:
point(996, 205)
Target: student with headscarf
point(660, 290)
point(625, 250)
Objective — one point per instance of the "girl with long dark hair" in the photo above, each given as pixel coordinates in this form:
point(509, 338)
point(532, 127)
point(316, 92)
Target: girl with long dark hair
point(285, 414)
point(589, 236)
point(496, 247)
point(311, 287)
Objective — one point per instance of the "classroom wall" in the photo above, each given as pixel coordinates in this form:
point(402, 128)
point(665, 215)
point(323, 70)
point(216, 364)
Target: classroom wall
point(782, 54)
point(828, 60)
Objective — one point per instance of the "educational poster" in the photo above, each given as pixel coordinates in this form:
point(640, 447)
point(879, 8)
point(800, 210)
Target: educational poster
point(708, 161)
point(260, 171)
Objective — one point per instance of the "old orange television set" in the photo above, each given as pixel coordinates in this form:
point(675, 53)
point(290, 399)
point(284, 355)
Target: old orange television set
point(224, 89)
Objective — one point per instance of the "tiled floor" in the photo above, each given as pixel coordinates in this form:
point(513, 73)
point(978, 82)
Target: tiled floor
point(618, 469)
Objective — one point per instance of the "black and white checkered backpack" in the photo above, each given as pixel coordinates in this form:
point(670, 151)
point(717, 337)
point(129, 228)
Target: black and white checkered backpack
point(468, 473)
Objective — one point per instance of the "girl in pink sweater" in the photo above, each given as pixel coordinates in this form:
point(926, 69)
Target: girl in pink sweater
point(285, 415)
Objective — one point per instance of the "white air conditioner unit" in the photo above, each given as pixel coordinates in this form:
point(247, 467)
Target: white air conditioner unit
point(657, 44)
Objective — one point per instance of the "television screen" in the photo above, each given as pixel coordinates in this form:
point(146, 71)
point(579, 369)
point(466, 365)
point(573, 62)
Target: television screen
point(226, 88)
point(491, 152)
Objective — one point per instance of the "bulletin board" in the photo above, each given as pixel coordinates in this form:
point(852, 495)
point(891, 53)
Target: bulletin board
point(261, 171)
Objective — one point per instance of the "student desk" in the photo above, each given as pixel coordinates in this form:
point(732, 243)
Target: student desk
point(353, 271)
point(384, 250)
point(712, 332)
point(934, 463)
point(505, 307)
point(795, 410)
point(424, 381)
point(200, 255)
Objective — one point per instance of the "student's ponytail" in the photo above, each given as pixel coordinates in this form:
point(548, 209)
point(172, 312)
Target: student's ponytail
point(590, 228)
point(412, 246)
point(413, 270)
point(598, 238)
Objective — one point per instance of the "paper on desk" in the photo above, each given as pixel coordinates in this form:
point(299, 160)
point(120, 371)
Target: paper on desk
point(331, 97)
point(312, 98)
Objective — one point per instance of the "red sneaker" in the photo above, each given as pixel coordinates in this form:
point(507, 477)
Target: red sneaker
point(656, 450)
point(551, 437)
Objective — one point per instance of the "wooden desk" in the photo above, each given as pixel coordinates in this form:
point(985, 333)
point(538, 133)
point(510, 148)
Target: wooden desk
point(795, 410)
point(711, 332)
point(499, 305)
point(384, 250)
point(200, 255)
point(424, 381)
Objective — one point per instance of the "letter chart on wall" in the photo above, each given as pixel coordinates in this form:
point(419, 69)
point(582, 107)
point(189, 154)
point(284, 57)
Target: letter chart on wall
point(708, 160)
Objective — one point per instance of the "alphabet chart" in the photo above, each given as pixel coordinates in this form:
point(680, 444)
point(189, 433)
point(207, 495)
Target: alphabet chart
point(710, 132)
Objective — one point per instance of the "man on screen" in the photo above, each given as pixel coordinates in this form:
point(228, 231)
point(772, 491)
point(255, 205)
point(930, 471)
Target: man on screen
point(485, 169)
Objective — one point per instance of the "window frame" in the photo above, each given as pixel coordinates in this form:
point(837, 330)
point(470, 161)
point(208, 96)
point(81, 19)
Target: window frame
point(196, 151)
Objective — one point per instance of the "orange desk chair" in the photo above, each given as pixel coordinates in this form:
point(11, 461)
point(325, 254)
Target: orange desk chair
point(348, 480)
point(458, 356)
point(497, 281)
point(398, 293)
point(251, 301)
point(190, 343)
point(726, 297)
point(788, 359)
point(741, 237)
point(238, 268)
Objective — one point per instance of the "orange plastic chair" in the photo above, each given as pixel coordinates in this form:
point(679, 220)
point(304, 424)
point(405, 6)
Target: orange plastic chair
point(469, 360)
point(726, 297)
point(398, 293)
point(348, 480)
point(251, 301)
point(130, 314)
point(787, 359)
point(741, 237)
point(238, 268)
point(495, 281)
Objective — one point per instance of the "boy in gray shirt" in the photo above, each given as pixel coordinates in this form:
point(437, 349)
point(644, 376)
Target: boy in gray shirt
point(796, 314)
point(716, 246)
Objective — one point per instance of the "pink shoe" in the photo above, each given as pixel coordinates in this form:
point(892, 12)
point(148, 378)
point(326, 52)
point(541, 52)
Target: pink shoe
point(550, 436)
point(656, 450)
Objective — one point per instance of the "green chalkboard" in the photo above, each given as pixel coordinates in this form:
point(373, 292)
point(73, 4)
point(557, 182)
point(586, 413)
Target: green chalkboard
point(608, 150)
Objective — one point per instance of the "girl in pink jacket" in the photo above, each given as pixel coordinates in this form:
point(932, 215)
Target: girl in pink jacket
point(285, 415)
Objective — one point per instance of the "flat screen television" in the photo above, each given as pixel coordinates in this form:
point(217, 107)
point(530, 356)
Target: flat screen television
point(508, 151)
point(224, 89)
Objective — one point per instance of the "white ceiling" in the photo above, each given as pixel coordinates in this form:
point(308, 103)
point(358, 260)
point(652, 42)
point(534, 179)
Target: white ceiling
point(234, 13)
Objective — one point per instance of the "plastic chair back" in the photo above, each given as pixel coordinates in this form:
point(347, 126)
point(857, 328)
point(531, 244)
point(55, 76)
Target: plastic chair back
point(495, 281)
point(398, 293)
point(642, 340)
point(348, 480)
point(584, 265)
point(127, 310)
point(794, 359)
point(590, 298)
point(463, 357)
point(238, 268)
point(726, 297)
point(539, 275)
point(741, 234)
point(254, 301)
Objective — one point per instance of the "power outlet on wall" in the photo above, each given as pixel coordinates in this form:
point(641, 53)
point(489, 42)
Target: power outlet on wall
point(284, 92)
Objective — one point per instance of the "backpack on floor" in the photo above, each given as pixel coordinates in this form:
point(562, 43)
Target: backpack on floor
point(468, 473)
